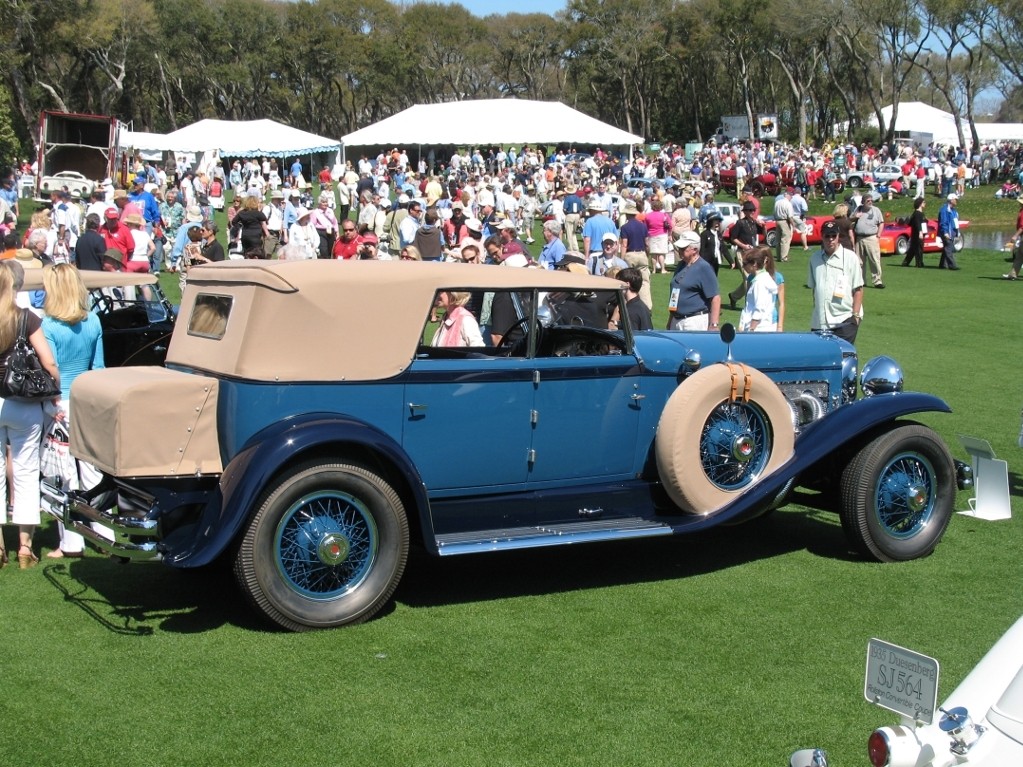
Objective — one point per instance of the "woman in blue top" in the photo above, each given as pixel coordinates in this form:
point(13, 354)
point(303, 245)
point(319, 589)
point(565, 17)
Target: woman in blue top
point(75, 336)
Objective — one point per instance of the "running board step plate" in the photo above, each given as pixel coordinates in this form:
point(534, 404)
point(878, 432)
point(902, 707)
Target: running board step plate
point(549, 535)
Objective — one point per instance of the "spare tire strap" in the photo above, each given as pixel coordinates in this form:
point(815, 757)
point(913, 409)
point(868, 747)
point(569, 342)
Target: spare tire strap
point(747, 384)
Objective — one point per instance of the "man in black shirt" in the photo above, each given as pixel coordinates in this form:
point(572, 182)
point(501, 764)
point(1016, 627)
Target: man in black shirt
point(639, 313)
point(91, 247)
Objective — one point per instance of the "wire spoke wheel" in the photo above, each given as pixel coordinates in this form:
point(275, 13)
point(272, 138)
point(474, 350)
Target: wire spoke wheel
point(326, 544)
point(904, 502)
point(735, 445)
point(711, 447)
point(897, 494)
point(327, 547)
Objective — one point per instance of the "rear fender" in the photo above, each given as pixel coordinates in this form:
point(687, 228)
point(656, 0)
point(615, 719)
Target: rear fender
point(249, 474)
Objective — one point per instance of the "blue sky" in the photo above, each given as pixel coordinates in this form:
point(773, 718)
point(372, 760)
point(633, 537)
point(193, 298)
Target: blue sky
point(486, 7)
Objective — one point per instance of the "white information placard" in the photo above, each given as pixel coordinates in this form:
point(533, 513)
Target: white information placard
point(901, 680)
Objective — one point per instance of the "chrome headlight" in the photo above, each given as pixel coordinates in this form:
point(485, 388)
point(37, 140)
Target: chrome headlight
point(882, 375)
point(850, 365)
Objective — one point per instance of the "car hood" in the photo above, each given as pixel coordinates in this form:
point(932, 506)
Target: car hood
point(664, 351)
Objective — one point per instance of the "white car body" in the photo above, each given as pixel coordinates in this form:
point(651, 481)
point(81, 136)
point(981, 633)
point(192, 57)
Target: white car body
point(730, 212)
point(887, 172)
point(73, 180)
point(992, 694)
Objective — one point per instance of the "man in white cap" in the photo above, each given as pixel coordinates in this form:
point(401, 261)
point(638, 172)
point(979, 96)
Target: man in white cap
point(694, 302)
point(948, 231)
point(608, 258)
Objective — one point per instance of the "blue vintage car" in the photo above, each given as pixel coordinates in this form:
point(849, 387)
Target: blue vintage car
point(306, 427)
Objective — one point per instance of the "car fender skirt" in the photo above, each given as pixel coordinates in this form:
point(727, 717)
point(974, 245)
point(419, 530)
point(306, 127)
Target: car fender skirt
point(723, 429)
point(859, 418)
point(249, 474)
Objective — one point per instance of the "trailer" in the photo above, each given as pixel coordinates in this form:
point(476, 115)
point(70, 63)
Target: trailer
point(75, 151)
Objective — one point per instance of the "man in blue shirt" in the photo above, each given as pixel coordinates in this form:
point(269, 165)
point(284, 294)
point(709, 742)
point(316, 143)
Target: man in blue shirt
point(147, 202)
point(596, 226)
point(634, 235)
point(554, 250)
point(948, 230)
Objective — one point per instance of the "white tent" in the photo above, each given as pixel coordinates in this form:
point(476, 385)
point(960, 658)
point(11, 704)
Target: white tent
point(248, 138)
point(490, 121)
point(917, 117)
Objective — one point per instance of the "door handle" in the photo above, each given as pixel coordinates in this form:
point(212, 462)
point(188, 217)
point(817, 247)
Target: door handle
point(416, 409)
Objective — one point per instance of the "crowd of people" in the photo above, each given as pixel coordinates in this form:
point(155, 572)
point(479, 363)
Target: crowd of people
point(475, 207)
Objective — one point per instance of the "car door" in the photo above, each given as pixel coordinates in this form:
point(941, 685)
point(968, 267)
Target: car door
point(468, 419)
point(588, 400)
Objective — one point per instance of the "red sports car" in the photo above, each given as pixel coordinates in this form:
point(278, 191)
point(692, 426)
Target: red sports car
point(895, 237)
point(765, 183)
point(770, 238)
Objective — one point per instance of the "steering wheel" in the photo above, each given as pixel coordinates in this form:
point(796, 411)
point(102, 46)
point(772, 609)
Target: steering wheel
point(506, 342)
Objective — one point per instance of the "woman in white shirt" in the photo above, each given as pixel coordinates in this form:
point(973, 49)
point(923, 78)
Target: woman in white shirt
point(303, 234)
point(758, 313)
point(144, 245)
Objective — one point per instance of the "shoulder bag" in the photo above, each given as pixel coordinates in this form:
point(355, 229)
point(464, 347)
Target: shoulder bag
point(25, 379)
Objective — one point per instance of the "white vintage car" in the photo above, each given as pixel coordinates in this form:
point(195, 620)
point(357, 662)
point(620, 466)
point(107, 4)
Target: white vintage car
point(981, 721)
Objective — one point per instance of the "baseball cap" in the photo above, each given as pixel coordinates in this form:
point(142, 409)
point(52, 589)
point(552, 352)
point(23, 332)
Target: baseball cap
point(952, 196)
point(609, 237)
point(829, 228)
point(111, 213)
point(687, 239)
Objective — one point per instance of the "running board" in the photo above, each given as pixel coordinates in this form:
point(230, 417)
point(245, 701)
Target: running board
point(548, 535)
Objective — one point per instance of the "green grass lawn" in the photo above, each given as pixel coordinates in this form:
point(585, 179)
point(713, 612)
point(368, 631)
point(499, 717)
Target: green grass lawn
point(730, 647)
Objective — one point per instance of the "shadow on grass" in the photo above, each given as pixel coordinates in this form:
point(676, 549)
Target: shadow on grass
point(431, 581)
point(145, 599)
point(140, 600)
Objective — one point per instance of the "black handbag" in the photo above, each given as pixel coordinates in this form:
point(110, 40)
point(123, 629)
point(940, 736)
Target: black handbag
point(25, 379)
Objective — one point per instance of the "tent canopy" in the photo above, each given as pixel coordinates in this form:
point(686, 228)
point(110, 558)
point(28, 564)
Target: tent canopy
point(248, 138)
point(923, 118)
point(491, 121)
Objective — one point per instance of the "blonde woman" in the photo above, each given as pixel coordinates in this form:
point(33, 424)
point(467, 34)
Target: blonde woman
point(458, 327)
point(21, 423)
point(76, 339)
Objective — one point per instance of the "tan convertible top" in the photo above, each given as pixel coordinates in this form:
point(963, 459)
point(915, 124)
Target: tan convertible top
point(334, 320)
point(93, 278)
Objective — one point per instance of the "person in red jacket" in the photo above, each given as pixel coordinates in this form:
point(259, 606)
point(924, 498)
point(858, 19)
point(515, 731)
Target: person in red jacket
point(117, 235)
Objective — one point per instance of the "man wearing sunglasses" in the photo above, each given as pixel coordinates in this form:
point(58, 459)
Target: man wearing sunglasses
point(347, 246)
point(837, 283)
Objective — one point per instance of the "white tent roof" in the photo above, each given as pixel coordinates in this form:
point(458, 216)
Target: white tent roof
point(248, 138)
point(145, 142)
point(917, 116)
point(490, 121)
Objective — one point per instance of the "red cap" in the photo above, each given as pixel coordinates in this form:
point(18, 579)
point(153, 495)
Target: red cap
point(112, 213)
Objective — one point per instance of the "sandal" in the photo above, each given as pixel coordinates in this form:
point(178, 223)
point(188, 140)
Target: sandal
point(28, 560)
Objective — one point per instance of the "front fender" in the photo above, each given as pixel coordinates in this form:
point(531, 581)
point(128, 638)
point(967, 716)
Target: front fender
point(847, 423)
point(249, 473)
